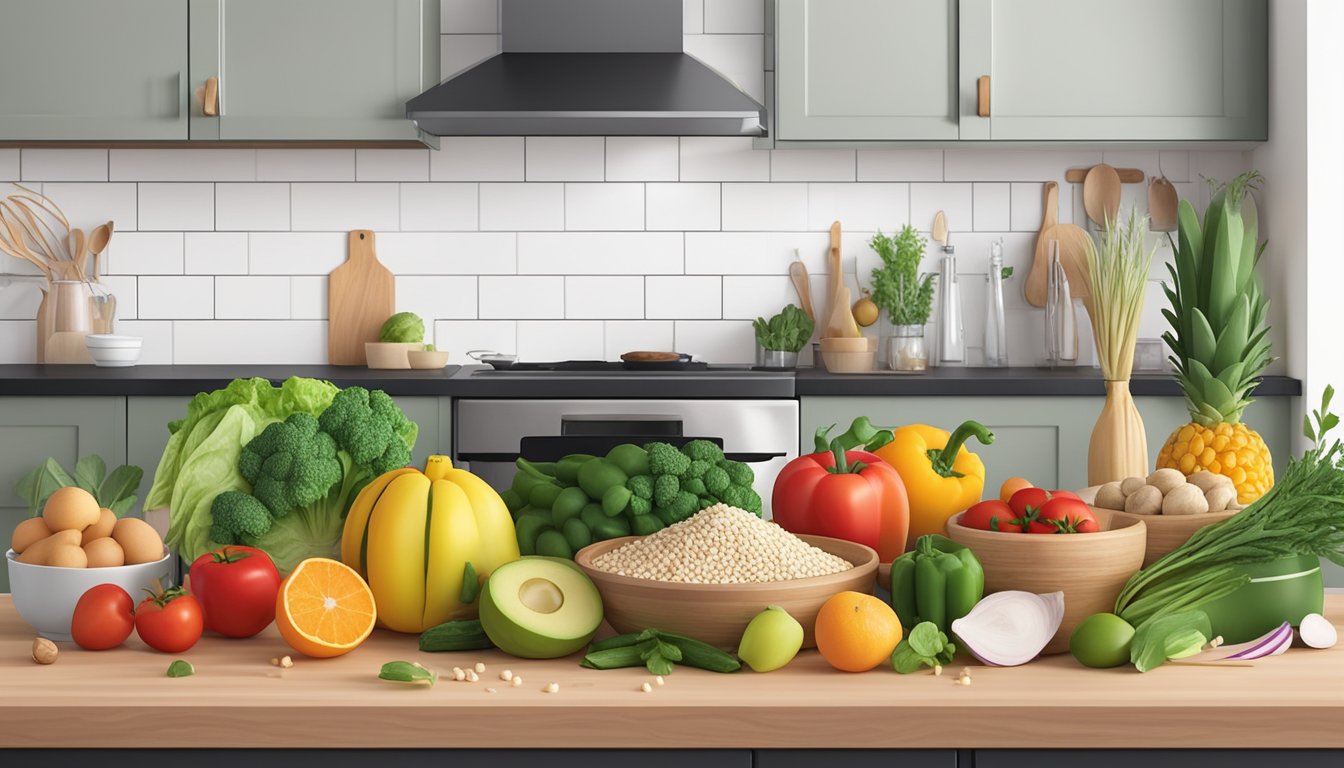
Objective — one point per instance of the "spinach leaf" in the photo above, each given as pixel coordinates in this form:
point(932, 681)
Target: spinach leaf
point(1169, 637)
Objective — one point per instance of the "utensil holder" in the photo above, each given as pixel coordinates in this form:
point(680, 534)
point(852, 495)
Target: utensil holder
point(775, 358)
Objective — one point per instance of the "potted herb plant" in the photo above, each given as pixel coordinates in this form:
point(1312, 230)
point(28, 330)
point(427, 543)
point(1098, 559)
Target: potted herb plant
point(905, 295)
point(779, 339)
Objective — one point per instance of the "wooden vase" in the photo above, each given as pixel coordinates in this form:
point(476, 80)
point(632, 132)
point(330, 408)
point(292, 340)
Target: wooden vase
point(1119, 446)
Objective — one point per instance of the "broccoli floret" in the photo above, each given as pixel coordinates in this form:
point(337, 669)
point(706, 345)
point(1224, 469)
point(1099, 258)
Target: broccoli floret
point(290, 464)
point(694, 485)
point(237, 518)
point(685, 505)
point(698, 468)
point(640, 506)
point(742, 497)
point(738, 473)
point(703, 450)
point(368, 426)
point(716, 480)
point(665, 489)
point(641, 486)
point(665, 459)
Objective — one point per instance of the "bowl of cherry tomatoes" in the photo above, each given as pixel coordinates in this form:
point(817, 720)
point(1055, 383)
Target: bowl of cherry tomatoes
point(1043, 541)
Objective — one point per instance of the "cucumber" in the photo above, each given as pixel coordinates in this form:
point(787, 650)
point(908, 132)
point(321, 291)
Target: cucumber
point(576, 533)
point(461, 635)
point(471, 584)
point(643, 525)
point(569, 503)
point(552, 543)
point(702, 655)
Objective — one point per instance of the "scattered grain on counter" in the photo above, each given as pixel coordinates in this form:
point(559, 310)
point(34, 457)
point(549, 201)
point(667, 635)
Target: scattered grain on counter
point(506, 675)
point(516, 681)
point(646, 688)
point(552, 688)
point(286, 662)
point(721, 545)
point(480, 668)
point(659, 680)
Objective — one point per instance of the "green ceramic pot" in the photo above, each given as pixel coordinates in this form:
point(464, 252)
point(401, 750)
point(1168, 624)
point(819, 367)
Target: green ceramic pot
point(1280, 590)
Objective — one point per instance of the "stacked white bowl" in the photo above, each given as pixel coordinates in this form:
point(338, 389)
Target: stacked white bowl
point(112, 350)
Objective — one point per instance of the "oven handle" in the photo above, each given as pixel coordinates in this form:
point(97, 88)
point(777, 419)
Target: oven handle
point(553, 448)
point(745, 458)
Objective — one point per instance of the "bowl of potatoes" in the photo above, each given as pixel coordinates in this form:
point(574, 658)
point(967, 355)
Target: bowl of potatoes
point(1173, 506)
point(76, 545)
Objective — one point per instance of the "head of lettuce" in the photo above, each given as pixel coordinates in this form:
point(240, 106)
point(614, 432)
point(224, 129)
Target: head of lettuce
point(275, 467)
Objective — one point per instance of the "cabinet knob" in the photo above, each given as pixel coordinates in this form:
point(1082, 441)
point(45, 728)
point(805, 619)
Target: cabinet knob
point(210, 99)
point(982, 96)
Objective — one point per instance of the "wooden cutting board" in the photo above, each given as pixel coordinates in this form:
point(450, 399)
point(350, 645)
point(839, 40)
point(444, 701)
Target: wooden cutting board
point(1072, 253)
point(361, 296)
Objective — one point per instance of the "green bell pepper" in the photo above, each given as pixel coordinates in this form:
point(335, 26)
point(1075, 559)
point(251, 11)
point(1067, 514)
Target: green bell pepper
point(939, 581)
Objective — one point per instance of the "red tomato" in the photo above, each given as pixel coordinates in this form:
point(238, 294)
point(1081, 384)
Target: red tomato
point(170, 621)
point(236, 587)
point(103, 618)
point(1065, 494)
point(992, 515)
point(1027, 501)
point(1064, 515)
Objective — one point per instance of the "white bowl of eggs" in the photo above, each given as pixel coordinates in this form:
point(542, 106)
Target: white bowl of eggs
point(74, 546)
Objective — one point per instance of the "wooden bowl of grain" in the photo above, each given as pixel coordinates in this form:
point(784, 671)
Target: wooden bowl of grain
point(718, 613)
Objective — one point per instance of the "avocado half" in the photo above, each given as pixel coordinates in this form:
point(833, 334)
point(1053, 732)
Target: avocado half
point(1280, 590)
point(540, 608)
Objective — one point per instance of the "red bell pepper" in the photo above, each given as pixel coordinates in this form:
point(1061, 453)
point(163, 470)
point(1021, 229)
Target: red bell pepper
point(845, 493)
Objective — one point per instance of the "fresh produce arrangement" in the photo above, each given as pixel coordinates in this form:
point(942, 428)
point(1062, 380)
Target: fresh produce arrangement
point(1170, 492)
point(74, 532)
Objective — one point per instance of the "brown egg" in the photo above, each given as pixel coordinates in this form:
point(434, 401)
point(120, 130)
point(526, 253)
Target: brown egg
point(28, 533)
point(40, 551)
point(70, 509)
point(138, 540)
point(104, 553)
point(67, 556)
point(101, 529)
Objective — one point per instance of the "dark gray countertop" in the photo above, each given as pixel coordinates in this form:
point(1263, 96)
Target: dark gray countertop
point(477, 381)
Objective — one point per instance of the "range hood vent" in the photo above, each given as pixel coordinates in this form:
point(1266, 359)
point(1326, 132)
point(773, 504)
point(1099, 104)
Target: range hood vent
point(589, 68)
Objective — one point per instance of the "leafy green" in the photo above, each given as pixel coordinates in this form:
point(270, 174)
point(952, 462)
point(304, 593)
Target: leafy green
point(898, 287)
point(925, 646)
point(115, 491)
point(1173, 636)
point(402, 328)
point(788, 331)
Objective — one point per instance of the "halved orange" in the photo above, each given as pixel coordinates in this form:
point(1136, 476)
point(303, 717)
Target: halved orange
point(324, 608)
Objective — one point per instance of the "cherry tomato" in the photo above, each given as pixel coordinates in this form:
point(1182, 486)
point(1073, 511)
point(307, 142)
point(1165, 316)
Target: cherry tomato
point(1064, 515)
point(103, 618)
point(170, 621)
point(236, 587)
point(992, 515)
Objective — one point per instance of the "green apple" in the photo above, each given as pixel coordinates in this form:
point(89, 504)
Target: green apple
point(771, 640)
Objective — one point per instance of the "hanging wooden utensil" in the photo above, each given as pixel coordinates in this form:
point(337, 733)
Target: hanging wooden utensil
point(1162, 204)
point(834, 282)
point(361, 296)
point(1073, 242)
point(940, 229)
point(1101, 194)
point(802, 285)
point(102, 235)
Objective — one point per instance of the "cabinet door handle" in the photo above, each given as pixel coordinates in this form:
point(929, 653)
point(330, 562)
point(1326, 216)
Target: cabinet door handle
point(982, 96)
point(210, 99)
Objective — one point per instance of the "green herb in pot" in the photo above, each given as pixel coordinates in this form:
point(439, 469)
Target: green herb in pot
point(898, 287)
point(788, 331)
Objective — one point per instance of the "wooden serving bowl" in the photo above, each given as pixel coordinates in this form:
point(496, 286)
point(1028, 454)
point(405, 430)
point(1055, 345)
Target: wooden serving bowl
point(1167, 532)
point(718, 613)
point(1089, 568)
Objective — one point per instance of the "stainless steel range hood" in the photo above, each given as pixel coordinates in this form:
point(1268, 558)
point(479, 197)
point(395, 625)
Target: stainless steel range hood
point(589, 68)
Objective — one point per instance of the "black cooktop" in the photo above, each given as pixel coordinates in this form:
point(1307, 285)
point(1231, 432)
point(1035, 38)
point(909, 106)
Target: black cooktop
point(602, 366)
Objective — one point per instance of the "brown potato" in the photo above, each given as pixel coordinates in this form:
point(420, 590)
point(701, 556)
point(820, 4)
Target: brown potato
point(39, 552)
point(1185, 500)
point(1167, 480)
point(1131, 484)
point(138, 540)
point(104, 553)
point(101, 529)
point(1207, 481)
point(1109, 496)
point(28, 533)
point(1219, 496)
point(1147, 500)
point(67, 556)
point(70, 509)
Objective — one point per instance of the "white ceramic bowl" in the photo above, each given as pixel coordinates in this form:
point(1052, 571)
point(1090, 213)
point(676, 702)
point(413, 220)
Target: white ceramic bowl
point(110, 351)
point(112, 341)
point(45, 596)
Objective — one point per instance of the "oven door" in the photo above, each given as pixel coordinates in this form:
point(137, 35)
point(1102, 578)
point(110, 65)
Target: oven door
point(489, 435)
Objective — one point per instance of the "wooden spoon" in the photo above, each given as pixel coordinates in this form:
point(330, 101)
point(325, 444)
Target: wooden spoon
point(802, 284)
point(1162, 205)
point(1073, 241)
point(1101, 194)
point(78, 243)
point(834, 281)
point(98, 241)
point(940, 229)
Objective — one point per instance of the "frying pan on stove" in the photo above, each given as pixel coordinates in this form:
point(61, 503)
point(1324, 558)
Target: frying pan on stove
point(655, 361)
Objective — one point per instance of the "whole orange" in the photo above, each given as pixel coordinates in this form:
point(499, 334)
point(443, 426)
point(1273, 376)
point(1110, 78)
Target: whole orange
point(856, 632)
point(1013, 485)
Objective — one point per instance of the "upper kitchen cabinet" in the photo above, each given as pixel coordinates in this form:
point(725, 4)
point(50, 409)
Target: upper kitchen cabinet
point(1089, 70)
point(866, 70)
point(93, 70)
point(310, 70)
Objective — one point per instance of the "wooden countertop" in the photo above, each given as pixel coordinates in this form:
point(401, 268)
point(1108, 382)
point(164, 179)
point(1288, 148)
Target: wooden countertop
point(121, 698)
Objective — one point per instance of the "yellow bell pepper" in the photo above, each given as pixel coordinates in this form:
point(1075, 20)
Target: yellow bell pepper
point(941, 476)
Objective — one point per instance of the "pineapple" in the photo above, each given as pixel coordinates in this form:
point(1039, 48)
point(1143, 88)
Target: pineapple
point(1218, 341)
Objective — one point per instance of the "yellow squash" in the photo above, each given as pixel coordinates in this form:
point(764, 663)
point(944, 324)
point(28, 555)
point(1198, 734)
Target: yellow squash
point(941, 476)
point(410, 534)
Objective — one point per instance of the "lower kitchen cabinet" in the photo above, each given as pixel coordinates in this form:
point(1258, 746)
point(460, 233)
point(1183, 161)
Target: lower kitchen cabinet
point(857, 758)
point(1156, 758)
point(64, 428)
point(403, 758)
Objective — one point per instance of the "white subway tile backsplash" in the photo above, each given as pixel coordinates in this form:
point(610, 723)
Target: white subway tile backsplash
point(900, 165)
point(734, 16)
point(305, 165)
point(642, 158)
point(143, 253)
point(308, 297)
point(992, 207)
point(750, 297)
point(176, 207)
point(317, 207)
point(604, 206)
point(1028, 206)
point(524, 296)
point(18, 338)
point(216, 253)
point(460, 52)
point(954, 200)
point(227, 342)
point(603, 297)
point(477, 158)
point(296, 253)
point(157, 345)
point(19, 300)
point(765, 207)
point(252, 298)
point(715, 158)
point(171, 298)
point(522, 207)
point(457, 337)
point(1014, 164)
point(1175, 165)
point(861, 207)
point(437, 298)
point(439, 207)
point(672, 298)
point(681, 207)
point(182, 165)
point(87, 205)
point(812, 165)
point(565, 340)
point(449, 253)
point(9, 166)
point(463, 16)
point(753, 253)
point(633, 335)
point(125, 288)
point(718, 341)
point(565, 158)
point(392, 165)
point(740, 58)
point(251, 207)
point(693, 16)
point(600, 253)
point(64, 164)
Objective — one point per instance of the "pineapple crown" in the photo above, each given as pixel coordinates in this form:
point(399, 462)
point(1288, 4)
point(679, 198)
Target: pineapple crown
point(1218, 314)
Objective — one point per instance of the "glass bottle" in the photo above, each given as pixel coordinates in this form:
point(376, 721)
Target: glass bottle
point(996, 337)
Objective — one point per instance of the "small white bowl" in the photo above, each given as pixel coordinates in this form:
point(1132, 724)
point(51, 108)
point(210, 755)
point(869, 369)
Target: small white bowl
point(112, 341)
point(110, 351)
point(45, 595)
